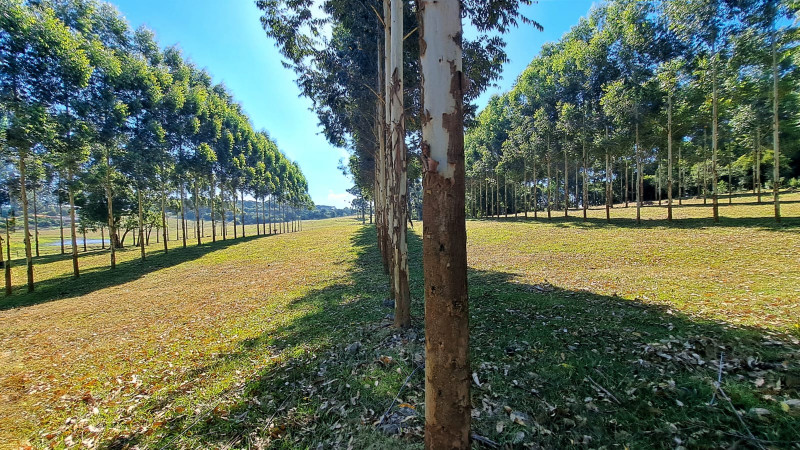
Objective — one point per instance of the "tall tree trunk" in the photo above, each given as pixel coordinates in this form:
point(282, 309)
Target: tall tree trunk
point(566, 183)
point(526, 199)
point(235, 225)
point(35, 221)
point(26, 224)
point(585, 180)
point(758, 163)
point(183, 213)
point(549, 187)
point(776, 138)
point(609, 190)
point(447, 368)
point(627, 184)
point(639, 179)
point(112, 229)
point(705, 168)
point(402, 315)
point(714, 138)
point(243, 232)
point(141, 221)
point(73, 234)
point(60, 224)
point(680, 177)
point(222, 206)
point(730, 182)
point(164, 225)
point(535, 195)
point(8, 259)
point(197, 233)
point(212, 194)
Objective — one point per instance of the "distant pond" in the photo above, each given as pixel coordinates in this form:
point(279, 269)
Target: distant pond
point(68, 241)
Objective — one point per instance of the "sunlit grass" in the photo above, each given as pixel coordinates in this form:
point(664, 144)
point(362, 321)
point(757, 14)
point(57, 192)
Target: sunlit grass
point(241, 343)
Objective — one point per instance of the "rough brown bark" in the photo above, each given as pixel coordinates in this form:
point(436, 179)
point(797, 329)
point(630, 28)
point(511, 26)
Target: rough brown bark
point(447, 368)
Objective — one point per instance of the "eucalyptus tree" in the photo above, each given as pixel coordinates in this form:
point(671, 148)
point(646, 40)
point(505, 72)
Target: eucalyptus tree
point(35, 48)
point(705, 26)
point(669, 78)
point(775, 26)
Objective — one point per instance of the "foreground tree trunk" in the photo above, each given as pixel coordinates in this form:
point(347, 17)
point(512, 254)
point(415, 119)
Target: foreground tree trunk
point(447, 368)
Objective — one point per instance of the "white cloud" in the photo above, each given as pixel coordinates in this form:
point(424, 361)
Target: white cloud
point(341, 200)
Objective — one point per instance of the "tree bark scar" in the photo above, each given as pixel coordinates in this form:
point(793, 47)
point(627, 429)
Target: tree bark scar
point(428, 164)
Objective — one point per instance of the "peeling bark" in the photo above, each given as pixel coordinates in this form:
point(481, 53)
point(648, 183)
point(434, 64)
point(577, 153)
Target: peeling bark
point(447, 380)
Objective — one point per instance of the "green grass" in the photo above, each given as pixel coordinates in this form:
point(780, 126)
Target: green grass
point(595, 334)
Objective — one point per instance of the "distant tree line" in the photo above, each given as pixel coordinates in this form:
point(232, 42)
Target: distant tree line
point(645, 101)
point(119, 132)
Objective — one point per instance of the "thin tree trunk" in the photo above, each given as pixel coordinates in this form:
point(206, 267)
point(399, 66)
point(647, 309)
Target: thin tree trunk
point(402, 316)
point(758, 163)
point(164, 225)
point(73, 234)
point(35, 221)
point(585, 185)
point(8, 259)
point(141, 222)
point(235, 225)
point(183, 213)
point(112, 229)
point(447, 368)
point(60, 223)
point(535, 195)
point(197, 211)
point(609, 190)
point(639, 179)
point(243, 232)
point(627, 184)
point(566, 184)
point(776, 130)
point(549, 187)
point(26, 224)
point(222, 206)
point(212, 194)
point(714, 139)
point(680, 177)
point(526, 199)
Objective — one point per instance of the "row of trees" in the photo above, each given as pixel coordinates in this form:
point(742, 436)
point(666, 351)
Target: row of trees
point(389, 79)
point(679, 94)
point(102, 118)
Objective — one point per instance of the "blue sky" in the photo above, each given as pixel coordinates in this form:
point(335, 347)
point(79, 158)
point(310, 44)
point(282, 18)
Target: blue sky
point(226, 38)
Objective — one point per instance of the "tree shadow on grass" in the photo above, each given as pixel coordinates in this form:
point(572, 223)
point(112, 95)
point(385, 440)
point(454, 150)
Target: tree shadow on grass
point(96, 278)
point(574, 368)
point(788, 224)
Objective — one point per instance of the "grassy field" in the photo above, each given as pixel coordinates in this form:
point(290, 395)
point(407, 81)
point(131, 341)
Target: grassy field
point(583, 334)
